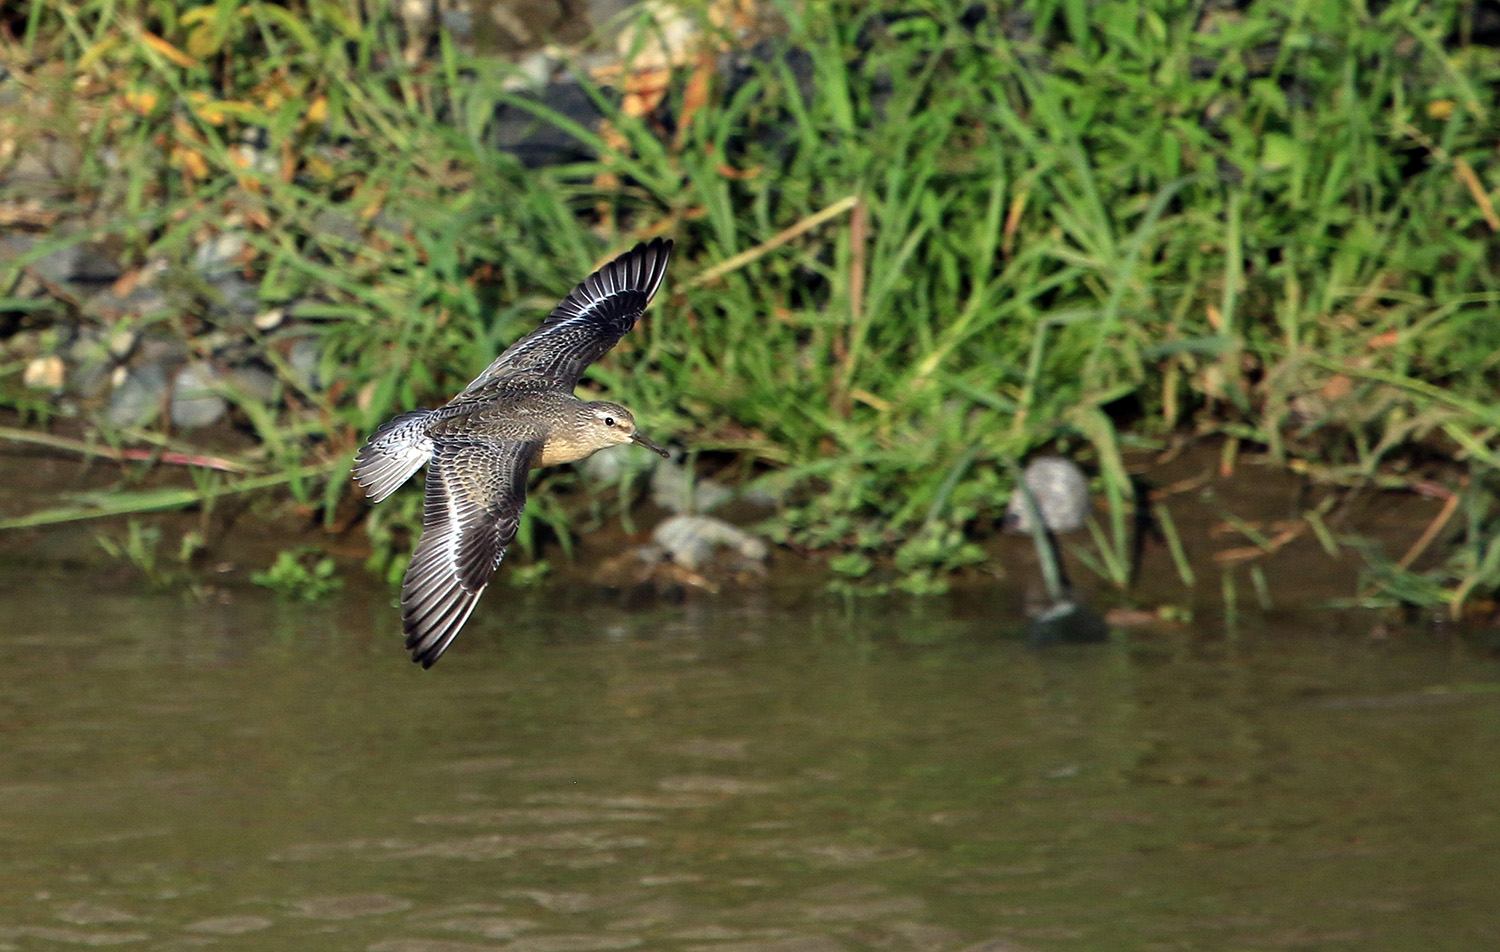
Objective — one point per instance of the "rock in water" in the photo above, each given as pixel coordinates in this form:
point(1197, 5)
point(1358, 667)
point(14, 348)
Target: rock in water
point(691, 541)
point(1062, 496)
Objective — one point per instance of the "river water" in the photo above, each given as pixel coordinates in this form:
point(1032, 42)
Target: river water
point(788, 774)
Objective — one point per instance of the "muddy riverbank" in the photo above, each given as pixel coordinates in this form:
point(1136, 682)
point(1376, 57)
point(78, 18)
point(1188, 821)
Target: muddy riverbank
point(1253, 540)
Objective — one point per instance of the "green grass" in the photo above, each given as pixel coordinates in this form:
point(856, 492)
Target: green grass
point(1144, 217)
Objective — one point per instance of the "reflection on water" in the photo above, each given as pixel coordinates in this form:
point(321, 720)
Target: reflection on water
point(900, 776)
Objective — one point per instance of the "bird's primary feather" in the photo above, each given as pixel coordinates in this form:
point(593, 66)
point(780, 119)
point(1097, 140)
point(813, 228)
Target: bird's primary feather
point(585, 324)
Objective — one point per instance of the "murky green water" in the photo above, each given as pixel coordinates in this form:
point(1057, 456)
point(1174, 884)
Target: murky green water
point(260, 775)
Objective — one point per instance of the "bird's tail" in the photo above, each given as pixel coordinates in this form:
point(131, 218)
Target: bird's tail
point(393, 453)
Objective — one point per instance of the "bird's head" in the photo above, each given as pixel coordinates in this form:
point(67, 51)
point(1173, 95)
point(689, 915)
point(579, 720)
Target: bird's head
point(608, 423)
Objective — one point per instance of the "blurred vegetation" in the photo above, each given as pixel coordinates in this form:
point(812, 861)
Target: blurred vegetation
point(917, 241)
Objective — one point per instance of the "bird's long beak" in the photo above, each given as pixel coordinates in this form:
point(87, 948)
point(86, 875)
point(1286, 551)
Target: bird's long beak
point(648, 444)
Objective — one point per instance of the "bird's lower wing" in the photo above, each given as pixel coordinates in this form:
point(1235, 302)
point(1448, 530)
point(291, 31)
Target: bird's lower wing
point(475, 493)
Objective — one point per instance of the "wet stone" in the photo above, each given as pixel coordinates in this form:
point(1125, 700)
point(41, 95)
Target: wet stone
point(138, 398)
point(194, 402)
point(350, 907)
point(230, 925)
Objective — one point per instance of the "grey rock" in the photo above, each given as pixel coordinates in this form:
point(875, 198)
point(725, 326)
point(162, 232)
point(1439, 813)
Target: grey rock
point(55, 266)
point(195, 403)
point(336, 224)
point(253, 382)
point(138, 398)
point(460, 23)
point(304, 357)
point(92, 358)
point(90, 381)
point(86, 262)
point(675, 489)
point(1062, 496)
point(121, 342)
point(161, 351)
point(537, 68)
point(216, 255)
point(95, 262)
point(233, 299)
point(109, 307)
point(613, 468)
point(692, 541)
point(43, 164)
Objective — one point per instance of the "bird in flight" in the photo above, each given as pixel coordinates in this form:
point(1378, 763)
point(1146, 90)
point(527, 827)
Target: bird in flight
point(479, 446)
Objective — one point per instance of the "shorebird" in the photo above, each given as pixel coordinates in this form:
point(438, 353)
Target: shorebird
point(480, 446)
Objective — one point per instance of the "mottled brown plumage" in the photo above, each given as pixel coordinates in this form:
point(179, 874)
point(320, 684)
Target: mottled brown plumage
point(479, 447)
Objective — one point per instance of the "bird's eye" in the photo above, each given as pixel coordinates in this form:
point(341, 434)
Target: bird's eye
point(609, 421)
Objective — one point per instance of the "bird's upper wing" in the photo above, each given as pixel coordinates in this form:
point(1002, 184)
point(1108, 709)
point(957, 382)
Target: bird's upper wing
point(586, 323)
point(475, 493)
